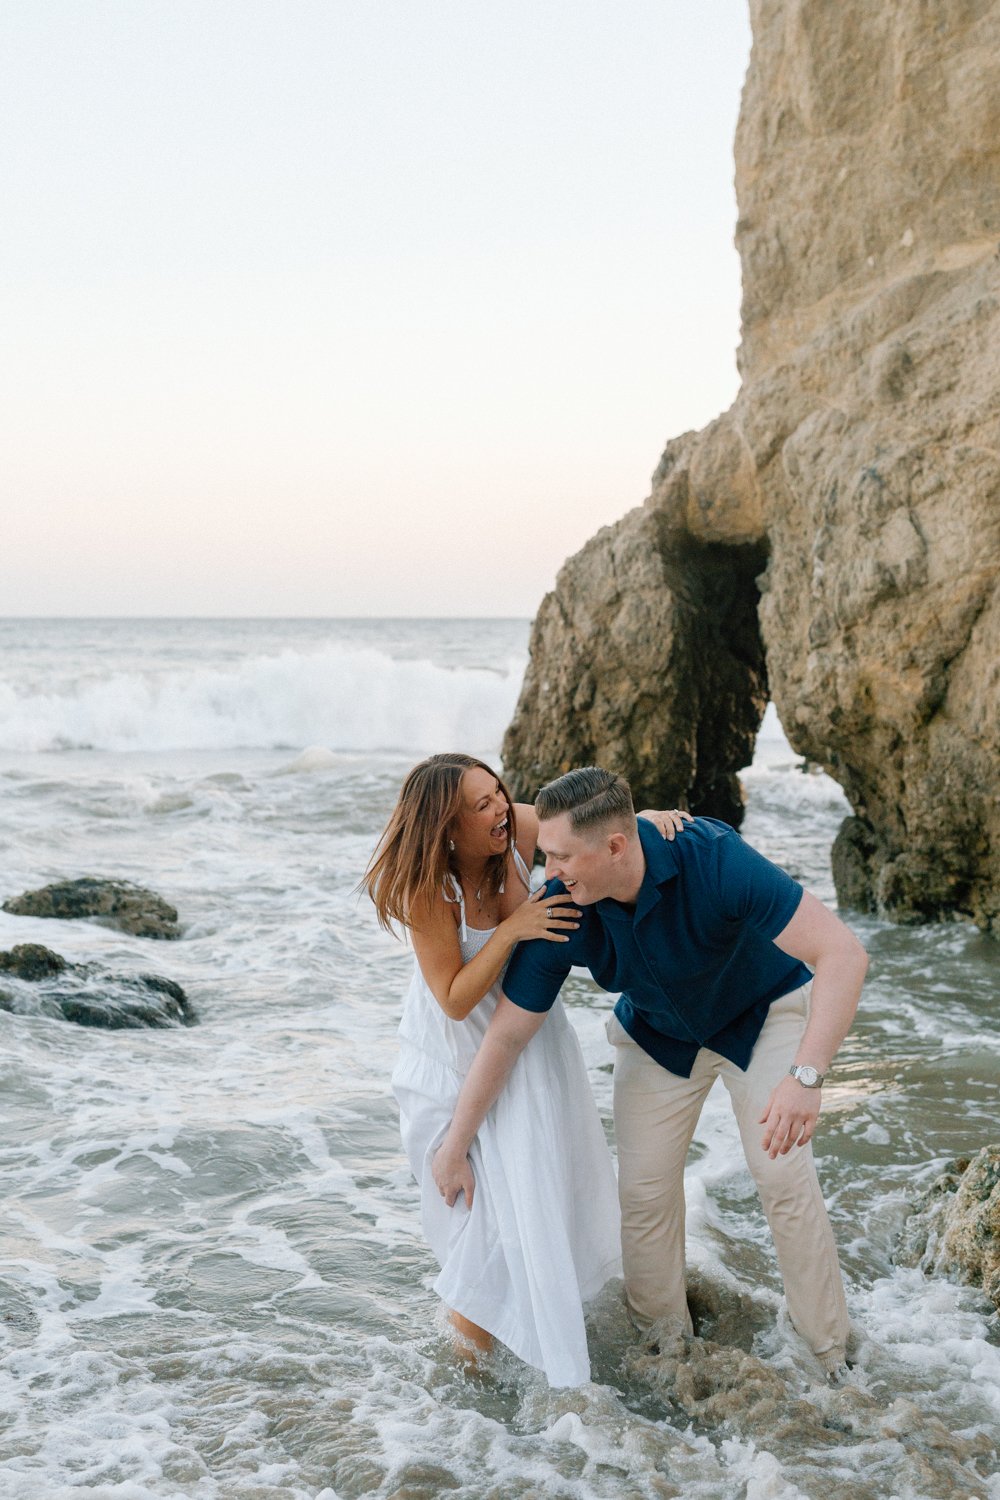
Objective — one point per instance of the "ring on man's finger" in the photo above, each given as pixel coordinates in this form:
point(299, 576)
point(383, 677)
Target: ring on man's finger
point(550, 912)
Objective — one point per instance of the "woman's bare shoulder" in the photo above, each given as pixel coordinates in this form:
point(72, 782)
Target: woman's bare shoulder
point(438, 915)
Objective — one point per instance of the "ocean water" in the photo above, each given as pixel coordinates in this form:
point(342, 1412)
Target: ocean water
point(212, 1280)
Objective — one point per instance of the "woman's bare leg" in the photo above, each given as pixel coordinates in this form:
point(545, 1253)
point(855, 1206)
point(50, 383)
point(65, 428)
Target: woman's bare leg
point(472, 1340)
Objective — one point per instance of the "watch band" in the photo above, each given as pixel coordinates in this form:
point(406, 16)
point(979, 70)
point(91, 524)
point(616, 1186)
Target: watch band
point(807, 1075)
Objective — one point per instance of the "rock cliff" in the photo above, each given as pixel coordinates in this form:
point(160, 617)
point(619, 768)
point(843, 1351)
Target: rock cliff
point(833, 538)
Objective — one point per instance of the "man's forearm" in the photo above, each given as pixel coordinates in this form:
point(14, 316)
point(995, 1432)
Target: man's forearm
point(509, 1032)
point(790, 1117)
point(839, 964)
point(836, 989)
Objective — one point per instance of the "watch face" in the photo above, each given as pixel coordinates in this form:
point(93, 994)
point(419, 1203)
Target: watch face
point(808, 1076)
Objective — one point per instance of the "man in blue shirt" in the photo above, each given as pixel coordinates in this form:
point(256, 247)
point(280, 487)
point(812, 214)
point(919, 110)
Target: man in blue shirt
point(708, 943)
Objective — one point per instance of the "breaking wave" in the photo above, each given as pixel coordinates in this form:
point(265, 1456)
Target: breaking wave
point(345, 697)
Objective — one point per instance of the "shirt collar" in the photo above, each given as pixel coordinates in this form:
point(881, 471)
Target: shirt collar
point(661, 867)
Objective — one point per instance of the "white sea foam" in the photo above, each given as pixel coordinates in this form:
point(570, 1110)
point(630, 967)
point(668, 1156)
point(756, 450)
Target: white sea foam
point(341, 697)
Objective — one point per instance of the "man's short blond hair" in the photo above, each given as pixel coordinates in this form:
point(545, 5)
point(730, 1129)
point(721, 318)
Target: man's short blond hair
point(593, 799)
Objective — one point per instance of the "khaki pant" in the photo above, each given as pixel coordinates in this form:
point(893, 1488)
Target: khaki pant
point(655, 1117)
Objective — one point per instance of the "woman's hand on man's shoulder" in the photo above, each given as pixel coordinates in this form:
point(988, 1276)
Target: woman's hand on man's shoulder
point(670, 821)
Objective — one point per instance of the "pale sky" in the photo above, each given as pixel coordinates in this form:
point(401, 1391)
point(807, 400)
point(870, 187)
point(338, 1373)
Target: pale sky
point(352, 307)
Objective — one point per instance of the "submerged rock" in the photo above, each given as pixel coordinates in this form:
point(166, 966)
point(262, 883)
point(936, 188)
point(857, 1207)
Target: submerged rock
point(115, 903)
point(723, 1314)
point(31, 961)
point(954, 1229)
point(45, 984)
point(840, 521)
point(720, 1388)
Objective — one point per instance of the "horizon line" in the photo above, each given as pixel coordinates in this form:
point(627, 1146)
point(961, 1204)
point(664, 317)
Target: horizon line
point(4, 619)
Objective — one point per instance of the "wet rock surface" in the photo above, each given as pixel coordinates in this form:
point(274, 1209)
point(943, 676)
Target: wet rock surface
point(724, 1315)
point(38, 982)
point(809, 1425)
point(954, 1229)
point(742, 1378)
point(861, 459)
point(115, 903)
point(646, 656)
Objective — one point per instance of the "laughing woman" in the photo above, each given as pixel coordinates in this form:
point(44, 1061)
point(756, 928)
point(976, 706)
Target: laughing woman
point(539, 1234)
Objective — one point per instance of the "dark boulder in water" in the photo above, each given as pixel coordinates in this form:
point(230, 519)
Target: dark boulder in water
point(42, 983)
point(115, 903)
point(31, 961)
point(954, 1229)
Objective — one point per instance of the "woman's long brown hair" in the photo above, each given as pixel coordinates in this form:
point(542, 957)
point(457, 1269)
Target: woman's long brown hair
point(412, 860)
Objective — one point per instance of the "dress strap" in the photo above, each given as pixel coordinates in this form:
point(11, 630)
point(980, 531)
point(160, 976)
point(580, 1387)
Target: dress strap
point(457, 896)
point(454, 894)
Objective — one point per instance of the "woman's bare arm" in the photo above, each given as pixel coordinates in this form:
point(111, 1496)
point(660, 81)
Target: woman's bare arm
point(458, 987)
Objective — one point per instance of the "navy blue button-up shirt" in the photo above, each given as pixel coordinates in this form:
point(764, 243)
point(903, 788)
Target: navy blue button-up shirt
point(694, 959)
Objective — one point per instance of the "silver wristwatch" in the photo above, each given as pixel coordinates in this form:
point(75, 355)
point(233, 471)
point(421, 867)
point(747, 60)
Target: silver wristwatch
point(807, 1075)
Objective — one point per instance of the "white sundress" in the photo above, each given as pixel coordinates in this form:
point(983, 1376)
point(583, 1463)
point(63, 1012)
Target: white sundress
point(543, 1235)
